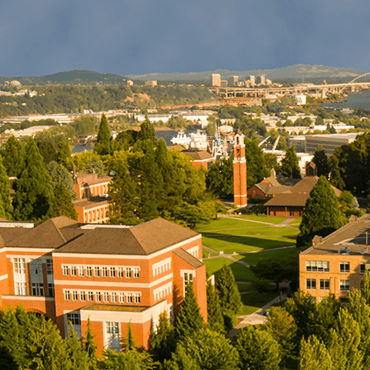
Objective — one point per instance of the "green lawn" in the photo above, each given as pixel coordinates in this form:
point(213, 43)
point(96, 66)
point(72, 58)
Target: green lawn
point(296, 222)
point(278, 255)
point(241, 273)
point(244, 287)
point(270, 220)
point(240, 244)
point(253, 301)
point(211, 253)
point(224, 223)
point(267, 230)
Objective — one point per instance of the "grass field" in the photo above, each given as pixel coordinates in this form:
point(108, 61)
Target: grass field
point(278, 255)
point(224, 223)
point(244, 287)
point(241, 244)
point(296, 222)
point(267, 230)
point(253, 301)
point(270, 220)
point(241, 273)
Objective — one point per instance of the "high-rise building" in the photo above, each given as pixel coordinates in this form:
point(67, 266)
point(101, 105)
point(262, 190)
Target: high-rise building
point(263, 80)
point(252, 79)
point(216, 79)
point(240, 172)
point(233, 80)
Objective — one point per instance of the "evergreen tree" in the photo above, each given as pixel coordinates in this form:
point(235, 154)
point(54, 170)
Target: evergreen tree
point(322, 215)
point(34, 197)
point(147, 131)
point(336, 178)
point(228, 291)
point(321, 161)
point(59, 175)
point(130, 344)
point(89, 345)
point(314, 355)
point(13, 155)
point(290, 164)
point(214, 313)
point(256, 166)
point(180, 361)
point(220, 178)
point(188, 320)
point(103, 144)
point(6, 208)
point(47, 151)
point(130, 360)
point(257, 349)
point(77, 357)
point(63, 205)
point(96, 165)
point(63, 155)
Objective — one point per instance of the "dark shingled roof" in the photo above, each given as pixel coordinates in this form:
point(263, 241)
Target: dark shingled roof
point(198, 156)
point(142, 239)
point(188, 258)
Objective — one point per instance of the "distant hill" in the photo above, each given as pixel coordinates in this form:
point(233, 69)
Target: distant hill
point(296, 73)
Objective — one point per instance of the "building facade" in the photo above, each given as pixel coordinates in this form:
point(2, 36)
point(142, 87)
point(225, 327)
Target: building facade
point(336, 264)
point(112, 275)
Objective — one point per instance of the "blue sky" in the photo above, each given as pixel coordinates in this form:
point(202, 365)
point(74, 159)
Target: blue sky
point(41, 37)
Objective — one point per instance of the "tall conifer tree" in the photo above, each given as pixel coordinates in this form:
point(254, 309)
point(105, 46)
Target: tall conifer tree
point(214, 312)
point(34, 196)
point(6, 208)
point(13, 157)
point(290, 164)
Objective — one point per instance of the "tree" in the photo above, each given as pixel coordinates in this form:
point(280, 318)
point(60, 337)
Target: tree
point(147, 131)
point(34, 196)
point(188, 320)
point(256, 167)
point(321, 161)
point(77, 357)
point(104, 139)
point(63, 156)
point(96, 165)
point(89, 345)
point(63, 205)
point(59, 175)
point(47, 151)
point(290, 164)
point(6, 208)
point(322, 215)
point(130, 344)
point(13, 157)
point(314, 355)
point(220, 178)
point(227, 290)
point(214, 313)
point(336, 178)
point(257, 349)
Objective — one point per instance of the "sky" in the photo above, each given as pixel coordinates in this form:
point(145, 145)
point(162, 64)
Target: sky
point(42, 37)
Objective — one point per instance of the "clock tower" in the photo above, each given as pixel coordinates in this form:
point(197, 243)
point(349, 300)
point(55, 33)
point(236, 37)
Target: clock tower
point(240, 172)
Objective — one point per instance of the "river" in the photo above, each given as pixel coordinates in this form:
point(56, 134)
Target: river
point(360, 100)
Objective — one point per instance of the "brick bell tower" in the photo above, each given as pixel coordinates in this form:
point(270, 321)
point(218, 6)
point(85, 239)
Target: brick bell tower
point(240, 172)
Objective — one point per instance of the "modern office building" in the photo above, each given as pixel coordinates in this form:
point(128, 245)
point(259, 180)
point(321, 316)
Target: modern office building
point(112, 275)
point(329, 142)
point(337, 263)
point(216, 79)
point(233, 81)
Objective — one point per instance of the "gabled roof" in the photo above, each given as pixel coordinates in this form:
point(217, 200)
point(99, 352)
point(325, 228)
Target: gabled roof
point(199, 155)
point(188, 258)
point(142, 239)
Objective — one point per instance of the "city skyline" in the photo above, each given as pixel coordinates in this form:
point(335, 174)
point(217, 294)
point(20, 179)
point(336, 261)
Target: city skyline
point(126, 37)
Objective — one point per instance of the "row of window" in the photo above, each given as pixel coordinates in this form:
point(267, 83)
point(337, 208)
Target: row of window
point(98, 271)
point(107, 297)
point(323, 266)
point(325, 284)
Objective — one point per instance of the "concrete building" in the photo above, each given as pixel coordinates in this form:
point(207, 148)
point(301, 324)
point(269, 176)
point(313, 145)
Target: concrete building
point(233, 81)
point(252, 79)
point(336, 264)
point(111, 274)
point(224, 83)
point(151, 83)
point(329, 142)
point(215, 79)
point(263, 80)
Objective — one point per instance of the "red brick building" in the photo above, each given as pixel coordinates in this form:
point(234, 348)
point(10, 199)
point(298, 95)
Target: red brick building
point(111, 274)
point(240, 172)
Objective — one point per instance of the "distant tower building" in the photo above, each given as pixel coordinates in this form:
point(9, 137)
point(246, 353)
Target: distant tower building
point(240, 172)
point(233, 80)
point(263, 80)
point(252, 79)
point(216, 79)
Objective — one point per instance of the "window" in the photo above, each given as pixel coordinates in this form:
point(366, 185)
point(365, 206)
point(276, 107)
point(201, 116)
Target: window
point(106, 297)
point(120, 272)
point(20, 279)
point(74, 318)
point(80, 271)
point(50, 289)
point(112, 337)
point(97, 271)
point(83, 296)
point(90, 296)
point(344, 266)
point(310, 283)
point(112, 272)
point(49, 266)
point(188, 278)
point(105, 271)
point(136, 272)
point(67, 295)
point(114, 297)
point(37, 289)
point(88, 271)
point(317, 266)
point(344, 285)
point(129, 297)
point(98, 296)
point(128, 272)
point(324, 284)
point(137, 297)
point(65, 271)
point(73, 270)
point(122, 298)
point(74, 295)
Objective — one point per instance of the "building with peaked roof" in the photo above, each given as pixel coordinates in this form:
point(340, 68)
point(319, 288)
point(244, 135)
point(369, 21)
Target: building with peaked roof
point(337, 263)
point(200, 158)
point(111, 274)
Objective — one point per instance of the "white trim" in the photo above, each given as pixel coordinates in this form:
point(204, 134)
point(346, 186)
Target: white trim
point(132, 257)
point(239, 196)
point(105, 205)
point(240, 160)
point(27, 297)
point(118, 284)
point(3, 277)
point(182, 272)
